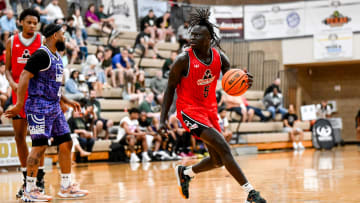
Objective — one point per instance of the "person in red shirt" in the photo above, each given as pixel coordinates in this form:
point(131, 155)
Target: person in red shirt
point(194, 75)
point(19, 48)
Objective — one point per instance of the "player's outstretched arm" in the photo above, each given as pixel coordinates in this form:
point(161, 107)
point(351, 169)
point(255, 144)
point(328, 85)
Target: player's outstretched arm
point(178, 70)
point(21, 91)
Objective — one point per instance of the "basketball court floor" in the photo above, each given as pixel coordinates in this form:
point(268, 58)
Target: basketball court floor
point(310, 176)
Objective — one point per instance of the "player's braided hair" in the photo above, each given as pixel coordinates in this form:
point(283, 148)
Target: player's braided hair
point(201, 17)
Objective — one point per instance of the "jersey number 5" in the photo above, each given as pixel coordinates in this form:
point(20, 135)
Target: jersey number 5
point(206, 91)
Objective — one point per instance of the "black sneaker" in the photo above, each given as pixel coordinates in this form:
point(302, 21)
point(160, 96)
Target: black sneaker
point(254, 197)
point(183, 181)
point(23, 187)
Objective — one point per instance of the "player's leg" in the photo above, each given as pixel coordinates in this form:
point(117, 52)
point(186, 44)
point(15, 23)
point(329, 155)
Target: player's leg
point(61, 134)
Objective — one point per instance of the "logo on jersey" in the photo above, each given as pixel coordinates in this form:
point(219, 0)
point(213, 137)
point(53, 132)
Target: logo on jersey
point(196, 65)
point(59, 73)
point(207, 78)
point(24, 57)
point(36, 124)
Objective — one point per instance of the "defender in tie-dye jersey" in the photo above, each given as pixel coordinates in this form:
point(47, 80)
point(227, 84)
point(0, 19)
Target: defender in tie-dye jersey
point(42, 76)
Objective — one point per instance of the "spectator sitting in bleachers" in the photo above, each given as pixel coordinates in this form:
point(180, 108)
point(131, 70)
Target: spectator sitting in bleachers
point(183, 139)
point(145, 126)
point(39, 6)
point(130, 134)
point(158, 86)
point(72, 48)
point(167, 65)
point(77, 125)
point(275, 84)
point(77, 146)
point(164, 29)
point(83, 86)
point(183, 34)
point(71, 87)
point(107, 20)
point(273, 102)
point(92, 21)
point(94, 74)
point(139, 75)
point(224, 124)
point(5, 89)
point(100, 123)
point(106, 65)
point(147, 106)
point(81, 44)
point(122, 66)
point(54, 11)
point(79, 23)
point(144, 42)
point(8, 25)
point(295, 133)
point(149, 22)
point(115, 48)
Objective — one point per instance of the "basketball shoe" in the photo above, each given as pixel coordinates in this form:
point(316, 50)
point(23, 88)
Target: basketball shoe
point(183, 181)
point(35, 196)
point(40, 182)
point(254, 197)
point(73, 191)
point(23, 187)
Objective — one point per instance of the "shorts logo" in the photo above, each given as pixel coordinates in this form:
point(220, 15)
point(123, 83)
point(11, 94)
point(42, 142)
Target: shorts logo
point(190, 125)
point(36, 124)
point(59, 73)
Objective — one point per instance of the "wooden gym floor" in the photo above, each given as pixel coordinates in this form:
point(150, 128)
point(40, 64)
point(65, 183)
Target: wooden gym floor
point(311, 176)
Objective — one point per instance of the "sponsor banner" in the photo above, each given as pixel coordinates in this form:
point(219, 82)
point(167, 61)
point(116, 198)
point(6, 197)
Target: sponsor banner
point(333, 44)
point(308, 112)
point(230, 21)
point(331, 14)
point(274, 20)
point(124, 13)
point(159, 7)
point(8, 151)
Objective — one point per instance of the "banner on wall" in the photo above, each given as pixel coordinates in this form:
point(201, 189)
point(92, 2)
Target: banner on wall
point(124, 13)
point(8, 151)
point(274, 21)
point(333, 44)
point(159, 7)
point(230, 21)
point(331, 14)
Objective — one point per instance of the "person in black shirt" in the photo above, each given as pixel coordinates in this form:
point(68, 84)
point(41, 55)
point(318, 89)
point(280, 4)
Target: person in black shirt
point(145, 126)
point(77, 125)
point(289, 126)
point(167, 64)
point(275, 84)
point(145, 41)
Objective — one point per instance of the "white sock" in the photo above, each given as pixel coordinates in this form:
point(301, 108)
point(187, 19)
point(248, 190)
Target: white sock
point(144, 153)
point(30, 183)
point(65, 180)
point(294, 144)
point(188, 171)
point(41, 167)
point(247, 187)
point(23, 169)
point(300, 144)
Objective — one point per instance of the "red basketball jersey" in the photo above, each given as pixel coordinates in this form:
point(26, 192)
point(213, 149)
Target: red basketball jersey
point(20, 54)
point(198, 88)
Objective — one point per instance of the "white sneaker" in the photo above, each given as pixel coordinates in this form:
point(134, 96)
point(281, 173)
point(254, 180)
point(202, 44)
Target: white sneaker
point(300, 146)
point(174, 156)
point(145, 157)
point(134, 158)
point(295, 146)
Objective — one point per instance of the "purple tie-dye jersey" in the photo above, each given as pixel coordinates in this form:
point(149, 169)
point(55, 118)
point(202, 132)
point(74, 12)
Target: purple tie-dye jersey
point(45, 87)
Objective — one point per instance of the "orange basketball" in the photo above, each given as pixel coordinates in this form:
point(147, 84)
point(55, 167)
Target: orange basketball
point(235, 82)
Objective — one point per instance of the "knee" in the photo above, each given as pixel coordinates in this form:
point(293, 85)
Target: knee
point(110, 123)
point(99, 124)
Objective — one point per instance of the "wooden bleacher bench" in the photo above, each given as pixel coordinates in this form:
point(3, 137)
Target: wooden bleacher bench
point(167, 46)
point(114, 116)
point(77, 67)
point(271, 137)
point(91, 49)
point(151, 72)
point(113, 93)
point(128, 35)
point(123, 42)
point(94, 32)
point(150, 63)
point(116, 104)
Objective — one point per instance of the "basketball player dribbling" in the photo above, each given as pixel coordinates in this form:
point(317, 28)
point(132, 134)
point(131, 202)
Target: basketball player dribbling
point(194, 75)
point(42, 77)
point(19, 48)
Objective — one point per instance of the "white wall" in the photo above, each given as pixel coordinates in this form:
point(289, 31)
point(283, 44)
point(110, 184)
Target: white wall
point(300, 50)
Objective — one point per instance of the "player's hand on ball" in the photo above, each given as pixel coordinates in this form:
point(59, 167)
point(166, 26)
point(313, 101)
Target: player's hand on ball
point(163, 130)
point(14, 111)
point(250, 78)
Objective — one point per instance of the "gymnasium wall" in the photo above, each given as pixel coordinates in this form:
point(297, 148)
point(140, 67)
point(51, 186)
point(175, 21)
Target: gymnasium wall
point(320, 85)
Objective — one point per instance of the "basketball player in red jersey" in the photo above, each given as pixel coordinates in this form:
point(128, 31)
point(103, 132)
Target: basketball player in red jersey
point(19, 48)
point(194, 75)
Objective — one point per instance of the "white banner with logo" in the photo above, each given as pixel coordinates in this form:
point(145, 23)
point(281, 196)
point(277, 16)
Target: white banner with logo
point(8, 151)
point(331, 14)
point(159, 7)
point(274, 20)
point(124, 13)
point(333, 44)
point(230, 20)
